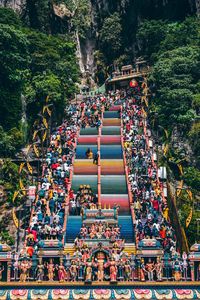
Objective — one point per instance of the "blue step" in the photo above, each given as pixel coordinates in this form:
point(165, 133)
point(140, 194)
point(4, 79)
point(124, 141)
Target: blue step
point(126, 225)
point(74, 224)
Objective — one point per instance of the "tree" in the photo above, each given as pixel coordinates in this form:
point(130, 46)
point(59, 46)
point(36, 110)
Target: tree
point(175, 74)
point(110, 38)
point(14, 61)
point(149, 36)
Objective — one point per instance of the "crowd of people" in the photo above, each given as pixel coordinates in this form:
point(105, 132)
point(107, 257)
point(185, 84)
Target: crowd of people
point(150, 205)
point(100, 230)
point(54, 186)
point(49, 207)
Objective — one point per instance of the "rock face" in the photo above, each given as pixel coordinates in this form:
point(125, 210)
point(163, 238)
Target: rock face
point(58, 19)
point(14, 4)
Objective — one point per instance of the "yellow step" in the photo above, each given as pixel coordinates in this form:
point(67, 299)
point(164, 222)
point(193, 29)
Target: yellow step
point(130, 248)
point(69, 248)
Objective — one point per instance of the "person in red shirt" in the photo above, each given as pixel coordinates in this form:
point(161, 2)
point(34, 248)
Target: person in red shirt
point(162, 232)
point(155, 204)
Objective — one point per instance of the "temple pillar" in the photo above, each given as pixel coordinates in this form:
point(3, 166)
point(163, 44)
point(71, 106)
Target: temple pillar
point(192, 270)
point(9, 265)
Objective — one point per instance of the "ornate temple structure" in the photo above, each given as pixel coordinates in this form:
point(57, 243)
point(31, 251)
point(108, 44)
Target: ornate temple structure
point(99, 226)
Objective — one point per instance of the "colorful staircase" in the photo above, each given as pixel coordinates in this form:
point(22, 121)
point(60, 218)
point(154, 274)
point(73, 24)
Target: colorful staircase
point(107, 179)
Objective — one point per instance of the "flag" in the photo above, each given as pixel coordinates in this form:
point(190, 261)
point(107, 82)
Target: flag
point(15, 196)
point(29, 168)
point(45, 122)
point(34, 134)
point(166, 133)
point(37, 153)
point(189, 218)
point(44, 136)
point(180, 169)
point(21, 167)
point(49, 112)
point(189, 194)
point(179, 190)
point(44, 108)
point(166, 149)
point(22, 187)
point(15, 220)
point(28, 148)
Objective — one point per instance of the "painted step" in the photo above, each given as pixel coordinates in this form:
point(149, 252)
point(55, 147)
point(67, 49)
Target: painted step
point(127, 230)
point(81, 150)
point(112, 167)
point(84, 166)
point(87, 140)
point(74, 224)
point(112, 200)
point(111, 152)
point(130, 249)
point(112, 122)
point(111, 140)
point(69, 248)
point(113, 184)
point(111, 114)
point(90, 180)
point(111, 130)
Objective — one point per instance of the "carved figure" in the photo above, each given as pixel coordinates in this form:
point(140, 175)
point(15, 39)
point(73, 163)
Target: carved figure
point(50, 268)
point(159, 269)
point(25, 265)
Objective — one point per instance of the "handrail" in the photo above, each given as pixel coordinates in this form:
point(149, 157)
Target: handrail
point(130, 196)
point(99, 158)
point(125, 164)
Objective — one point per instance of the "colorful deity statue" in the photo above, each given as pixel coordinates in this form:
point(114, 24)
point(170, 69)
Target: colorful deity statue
point(133, 267)
point(73, 271)
point(150, 269)
point(40, 271)
point(113, 271)
point(177, 270)
point(88, 271)
point(80, 267)
point(142, 270)
point(121, 270)
point(24, 267)
point(159, 269)
point(167, 265)
point(61, 272)
point(1, 272)
point(184, 265)
point(16, 267)
point(67, 266)
point(100, 272)
point(50, 268)
point(127, 271)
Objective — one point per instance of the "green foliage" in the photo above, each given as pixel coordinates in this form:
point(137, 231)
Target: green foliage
point(184, 211)
point(6, 237)
point(9, 17)
point(10, 142)
point(53, 72)
point(38, 14)
point(174, 74)
point(149, 35)
point(82, 17)
point(192, 178)
point(14, 61)
point(36, 65)
point(194, 138)
point(111, 37)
